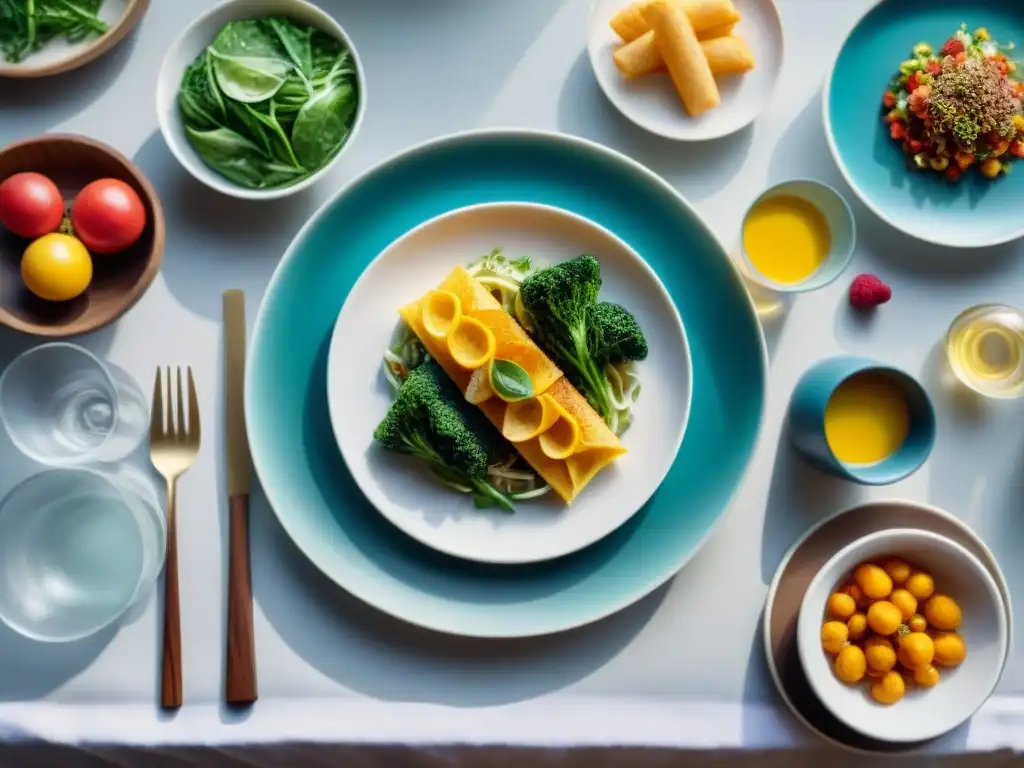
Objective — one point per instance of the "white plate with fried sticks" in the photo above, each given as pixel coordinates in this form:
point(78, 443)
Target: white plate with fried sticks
point(403, 490)
point(650, 100)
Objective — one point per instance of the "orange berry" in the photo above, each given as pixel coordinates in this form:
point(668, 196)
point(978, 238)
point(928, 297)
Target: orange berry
point(841, 605)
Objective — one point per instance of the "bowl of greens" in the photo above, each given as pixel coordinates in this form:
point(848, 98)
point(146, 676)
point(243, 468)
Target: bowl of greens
point(257, 99)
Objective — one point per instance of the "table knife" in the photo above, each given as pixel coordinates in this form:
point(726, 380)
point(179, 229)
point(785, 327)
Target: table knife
point(241, 651)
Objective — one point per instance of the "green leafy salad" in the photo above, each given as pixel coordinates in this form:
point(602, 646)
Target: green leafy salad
point(269, 102)
point(595, 343)
point(28, 25)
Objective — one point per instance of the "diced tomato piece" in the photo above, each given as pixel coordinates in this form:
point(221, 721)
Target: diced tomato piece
point(1017, 148)
point(953, 47)
point(913, 81)
point(961, 58)
point(964, 160)
point(935, 67)
point(953, 173)
point(1001, 66)
point(897, 130)
point(915, 146)
point(889, 100)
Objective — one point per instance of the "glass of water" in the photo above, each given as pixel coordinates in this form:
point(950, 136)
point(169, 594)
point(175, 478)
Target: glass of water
point(78, 549)
point(61, 405)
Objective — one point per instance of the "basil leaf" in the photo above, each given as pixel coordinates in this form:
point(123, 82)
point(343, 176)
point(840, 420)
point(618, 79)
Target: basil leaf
point(509, 381)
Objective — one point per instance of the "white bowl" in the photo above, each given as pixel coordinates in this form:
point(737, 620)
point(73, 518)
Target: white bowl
point(651, 101)
point(412, 499)
point(922, 713)
point(196, 37)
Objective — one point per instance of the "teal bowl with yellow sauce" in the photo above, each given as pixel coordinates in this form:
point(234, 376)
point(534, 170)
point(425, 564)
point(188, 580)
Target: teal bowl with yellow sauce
point(860, 420)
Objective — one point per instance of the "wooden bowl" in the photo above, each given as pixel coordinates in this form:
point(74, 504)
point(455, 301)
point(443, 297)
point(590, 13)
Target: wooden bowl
point(60, 56)
point(119, 280)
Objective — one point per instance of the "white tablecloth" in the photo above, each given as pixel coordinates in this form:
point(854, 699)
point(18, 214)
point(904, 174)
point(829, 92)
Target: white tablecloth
point(683, 668)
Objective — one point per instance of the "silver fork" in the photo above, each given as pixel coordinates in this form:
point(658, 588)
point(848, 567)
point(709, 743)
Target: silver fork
point(172, 448)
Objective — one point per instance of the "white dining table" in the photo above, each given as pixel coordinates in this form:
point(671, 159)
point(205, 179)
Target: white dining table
point(684, 668)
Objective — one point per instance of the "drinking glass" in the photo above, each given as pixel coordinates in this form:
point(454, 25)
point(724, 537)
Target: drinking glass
point(61, 405)
point(78, 549)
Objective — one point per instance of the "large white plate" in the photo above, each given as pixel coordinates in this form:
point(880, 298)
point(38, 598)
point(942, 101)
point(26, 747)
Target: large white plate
point(651, 101)
point(358, 395)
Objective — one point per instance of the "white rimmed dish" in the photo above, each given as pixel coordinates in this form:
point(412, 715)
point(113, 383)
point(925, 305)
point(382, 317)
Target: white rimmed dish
point(358, 395)
point(651, 101)
point(194, 39)
point(921, 714)
point(59, 55)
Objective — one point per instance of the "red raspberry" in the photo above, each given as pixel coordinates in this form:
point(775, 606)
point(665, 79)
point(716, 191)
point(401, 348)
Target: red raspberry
point(868, 291)
point(953, 47)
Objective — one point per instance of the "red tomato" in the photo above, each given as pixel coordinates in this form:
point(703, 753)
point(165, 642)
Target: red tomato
point(108, 216)
point(30, 205)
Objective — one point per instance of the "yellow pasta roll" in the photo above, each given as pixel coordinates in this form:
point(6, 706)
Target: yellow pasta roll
point(726, 55)
point(683, 55)
point(704, 15)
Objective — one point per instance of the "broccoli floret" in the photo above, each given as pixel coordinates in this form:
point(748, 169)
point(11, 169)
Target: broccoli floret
point(558, 300)
point(615, 335)
point(432, 421)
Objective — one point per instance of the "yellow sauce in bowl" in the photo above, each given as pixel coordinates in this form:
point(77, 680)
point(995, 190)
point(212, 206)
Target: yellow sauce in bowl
point(866, 419)
point(786, 238)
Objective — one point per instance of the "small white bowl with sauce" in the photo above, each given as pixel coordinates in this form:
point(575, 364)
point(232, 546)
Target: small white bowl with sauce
point(797, 236)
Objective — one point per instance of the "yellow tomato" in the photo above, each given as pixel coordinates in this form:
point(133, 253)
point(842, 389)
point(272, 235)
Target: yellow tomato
point(834, 636)
point(56, 267)
point(917, 623)
point(950, 649)
point(879, 654)
point(898, 571)
point(943, 613)
point(858, 597)
point(920, 585)
point(857, 625)
point(905, 601)
point(889, 688)
point(841, 606)
point(850, 664)
point(918, 649)
point(926, 677)
point(873, 581)
point(884, 617)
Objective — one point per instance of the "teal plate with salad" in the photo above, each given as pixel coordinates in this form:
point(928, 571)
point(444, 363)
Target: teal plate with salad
point(293, 445)
point(923, 115)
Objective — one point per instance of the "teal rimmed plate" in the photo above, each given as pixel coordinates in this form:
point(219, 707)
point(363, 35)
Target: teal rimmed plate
point(298, 461)
point(976, 212)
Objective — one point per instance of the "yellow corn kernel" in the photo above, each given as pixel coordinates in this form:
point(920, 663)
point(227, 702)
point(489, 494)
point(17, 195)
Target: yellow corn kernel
point(990, 168)
point(981, 33)
point(1018, 123)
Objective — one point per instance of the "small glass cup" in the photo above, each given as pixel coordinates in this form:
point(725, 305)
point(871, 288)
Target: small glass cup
point(78, 549)
point(842, 234)
point(61, 405)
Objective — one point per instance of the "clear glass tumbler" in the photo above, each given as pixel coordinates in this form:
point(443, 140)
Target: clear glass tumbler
point(61, 405)
point(78, 549)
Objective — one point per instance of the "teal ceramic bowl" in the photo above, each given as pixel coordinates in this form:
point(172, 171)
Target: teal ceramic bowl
point(806, 423)
point(976, 212)
point(297, 458)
